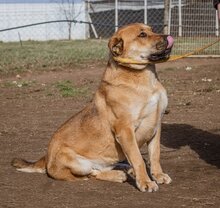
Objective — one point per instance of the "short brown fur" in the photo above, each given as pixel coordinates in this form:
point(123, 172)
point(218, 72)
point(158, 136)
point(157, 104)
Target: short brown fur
point(124, 114)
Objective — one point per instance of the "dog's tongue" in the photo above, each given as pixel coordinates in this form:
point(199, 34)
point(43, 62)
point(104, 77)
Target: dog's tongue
point(170, 41)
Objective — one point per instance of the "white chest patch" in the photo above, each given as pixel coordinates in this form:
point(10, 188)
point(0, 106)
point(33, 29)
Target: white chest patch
point(151, 105)
point(163, 101)
point(157, 102)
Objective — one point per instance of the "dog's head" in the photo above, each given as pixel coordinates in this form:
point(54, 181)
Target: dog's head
point(138, 42)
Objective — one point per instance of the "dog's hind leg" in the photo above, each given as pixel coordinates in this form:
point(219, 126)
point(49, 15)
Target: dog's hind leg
point(111, 175)
point(69, 166)
point(63, 173)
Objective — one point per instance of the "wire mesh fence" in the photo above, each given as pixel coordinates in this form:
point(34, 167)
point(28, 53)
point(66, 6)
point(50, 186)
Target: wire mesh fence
point(192, 23)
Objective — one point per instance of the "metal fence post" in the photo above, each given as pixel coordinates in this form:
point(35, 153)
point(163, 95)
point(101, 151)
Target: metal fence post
point(87, 33)
point(90, 20)
point(217, 25)
point(116, 15)
point(169, 20)
point(180, 18)
point(166, 16)
point(145, 11)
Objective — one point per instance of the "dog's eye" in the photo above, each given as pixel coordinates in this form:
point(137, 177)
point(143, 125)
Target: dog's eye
point(142, 35)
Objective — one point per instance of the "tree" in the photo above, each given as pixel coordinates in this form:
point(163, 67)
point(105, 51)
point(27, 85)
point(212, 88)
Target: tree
point(70, 12)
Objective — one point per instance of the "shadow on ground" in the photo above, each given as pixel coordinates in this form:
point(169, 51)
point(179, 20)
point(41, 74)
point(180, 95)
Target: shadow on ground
point(205, 144)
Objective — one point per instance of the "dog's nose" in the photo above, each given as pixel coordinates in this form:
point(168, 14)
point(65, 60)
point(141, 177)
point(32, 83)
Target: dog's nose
point(166, 43)
point(161, 45)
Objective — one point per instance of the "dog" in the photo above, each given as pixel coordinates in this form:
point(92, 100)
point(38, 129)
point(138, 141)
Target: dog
point(124, 114)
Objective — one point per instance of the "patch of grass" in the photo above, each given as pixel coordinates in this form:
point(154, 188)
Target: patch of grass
point(7, 84)
point(21, 83)
point(50, 55)
point(170, 69)
point(67, 89)
point(184, 45)
point(58, 55)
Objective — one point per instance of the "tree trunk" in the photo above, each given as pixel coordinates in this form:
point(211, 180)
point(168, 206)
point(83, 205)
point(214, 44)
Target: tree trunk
point(69, 30)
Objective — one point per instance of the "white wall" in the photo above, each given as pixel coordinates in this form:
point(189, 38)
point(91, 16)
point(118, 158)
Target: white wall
point(12, 15)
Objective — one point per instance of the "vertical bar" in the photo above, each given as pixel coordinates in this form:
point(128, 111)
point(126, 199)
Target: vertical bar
point(145, 12)
point(91, 23)
point(116, 15)
point(169, 20)
point(217, 24)
point(166, 16)
point(87, 5)
point(180, 18)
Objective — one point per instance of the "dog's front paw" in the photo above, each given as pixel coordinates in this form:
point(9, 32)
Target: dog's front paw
point(161, 178)
point(150, 186)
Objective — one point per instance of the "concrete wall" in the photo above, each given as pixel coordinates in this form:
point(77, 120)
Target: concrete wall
point(12, 15)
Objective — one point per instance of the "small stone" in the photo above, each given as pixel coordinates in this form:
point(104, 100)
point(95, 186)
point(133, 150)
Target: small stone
point(18, 76)
point(206, 80)
point(188, 68)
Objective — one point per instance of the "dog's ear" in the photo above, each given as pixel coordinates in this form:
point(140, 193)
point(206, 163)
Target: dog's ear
point(116, 45)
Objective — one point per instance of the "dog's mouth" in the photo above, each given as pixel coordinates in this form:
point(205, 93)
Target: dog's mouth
point(165, 54)
point(160, 56)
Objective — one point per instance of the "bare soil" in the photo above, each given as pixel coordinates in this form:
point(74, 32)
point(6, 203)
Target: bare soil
point(190, 144)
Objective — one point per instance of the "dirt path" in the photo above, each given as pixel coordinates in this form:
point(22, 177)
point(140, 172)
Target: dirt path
point(31, 109)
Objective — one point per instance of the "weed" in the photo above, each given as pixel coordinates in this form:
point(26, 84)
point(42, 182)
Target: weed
point(170, 69)
point(67, 89)
point(22, 83)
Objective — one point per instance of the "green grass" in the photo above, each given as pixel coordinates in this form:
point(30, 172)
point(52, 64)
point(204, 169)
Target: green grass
point(59, 55)
point(67, 89)
point(50, 55)
point(20, 83)
point(184, 45)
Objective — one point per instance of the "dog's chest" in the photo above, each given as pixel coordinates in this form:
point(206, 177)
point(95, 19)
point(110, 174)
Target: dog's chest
point(156, 103)
point(148, 118)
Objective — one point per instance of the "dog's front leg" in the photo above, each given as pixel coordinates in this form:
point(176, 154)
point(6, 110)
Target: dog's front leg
point(154, 157)
point(126, 138)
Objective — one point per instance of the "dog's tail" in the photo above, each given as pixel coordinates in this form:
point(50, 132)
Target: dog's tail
point(30, 167)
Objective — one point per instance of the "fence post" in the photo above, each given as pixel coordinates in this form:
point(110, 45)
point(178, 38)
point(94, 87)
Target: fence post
point(169, 21)
point(90, 20)
point(116, 15)
point(180, 18)
point(145, 11)
point(217, 24)
point(166, 16)
point(87, 34)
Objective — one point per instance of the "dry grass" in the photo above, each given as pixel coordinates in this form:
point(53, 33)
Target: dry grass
point(50, 55)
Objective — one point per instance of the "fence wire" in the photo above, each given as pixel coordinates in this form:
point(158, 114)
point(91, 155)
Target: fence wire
point(192, 23)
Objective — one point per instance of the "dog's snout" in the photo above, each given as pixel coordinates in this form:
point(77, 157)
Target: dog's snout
point(161, 45)
point(165, 42)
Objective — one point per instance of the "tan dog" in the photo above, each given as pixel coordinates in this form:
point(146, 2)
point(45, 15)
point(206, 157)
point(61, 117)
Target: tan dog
point(125, 113)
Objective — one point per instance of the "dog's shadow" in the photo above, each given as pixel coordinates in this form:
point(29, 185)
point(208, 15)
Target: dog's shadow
point(205, 144)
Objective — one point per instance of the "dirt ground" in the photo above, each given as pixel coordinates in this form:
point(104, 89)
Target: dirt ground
point(190, 146)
